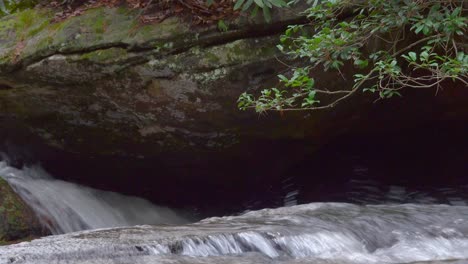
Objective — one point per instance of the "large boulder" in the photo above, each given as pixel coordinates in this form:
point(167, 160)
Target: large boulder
point(17, 220)
point(104, 84)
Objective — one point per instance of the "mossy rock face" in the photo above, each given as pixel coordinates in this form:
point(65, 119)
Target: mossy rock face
point(17, 220)
point(104, 84)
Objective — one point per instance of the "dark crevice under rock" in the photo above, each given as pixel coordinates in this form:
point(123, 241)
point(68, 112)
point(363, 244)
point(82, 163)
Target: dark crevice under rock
point(422, 157)
point(4, 86)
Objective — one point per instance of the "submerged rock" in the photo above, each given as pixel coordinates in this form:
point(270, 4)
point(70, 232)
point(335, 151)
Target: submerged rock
point(17, 220)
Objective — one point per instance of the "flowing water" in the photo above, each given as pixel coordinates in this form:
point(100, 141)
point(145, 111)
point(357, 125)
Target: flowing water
point(372, 204)
point(65, 207)
point(312, 233)
point(309, 233)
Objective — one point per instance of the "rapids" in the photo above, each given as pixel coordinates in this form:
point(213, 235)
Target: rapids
point(311, 233)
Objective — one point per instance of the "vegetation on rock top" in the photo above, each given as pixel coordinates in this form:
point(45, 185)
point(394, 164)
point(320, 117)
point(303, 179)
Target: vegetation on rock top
point(393, 45)
point(197, 11)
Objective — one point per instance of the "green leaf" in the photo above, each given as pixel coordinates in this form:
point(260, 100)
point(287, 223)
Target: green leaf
point(311, 95)
point(266, 14)
point(372, 90)
point(267, 3)
point(361, 63)
point(426, 30)
point(238, 4)
point(278, 3)
point(310, 83)
point(419, 28)
point(424, 56)
point(254, 12)
point(259, 3)
point(283, 78)
point(457, 11)
point(247, 5)
point(222, 26)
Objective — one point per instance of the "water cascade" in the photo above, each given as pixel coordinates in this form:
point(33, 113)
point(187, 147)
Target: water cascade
point(356, 218)
point(312, 233)
point(65, 207)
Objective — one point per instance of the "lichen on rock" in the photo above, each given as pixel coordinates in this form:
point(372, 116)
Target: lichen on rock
point(104, 74)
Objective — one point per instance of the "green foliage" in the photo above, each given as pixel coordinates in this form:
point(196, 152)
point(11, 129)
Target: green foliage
point(222, 26)
point(420, 45)
point(12, 6)
point(255, 5)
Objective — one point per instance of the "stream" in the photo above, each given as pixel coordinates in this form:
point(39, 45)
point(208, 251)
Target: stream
point(123, 229)
point(354, 203)
point(311, 233)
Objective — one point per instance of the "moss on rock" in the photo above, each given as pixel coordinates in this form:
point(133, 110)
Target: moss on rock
point(104, 74)
point(17, 221)
point(32, 33)
point(105, 55)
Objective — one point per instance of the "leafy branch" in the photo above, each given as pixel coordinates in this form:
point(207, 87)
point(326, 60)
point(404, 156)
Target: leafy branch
point(256, 5)
point(436, 54)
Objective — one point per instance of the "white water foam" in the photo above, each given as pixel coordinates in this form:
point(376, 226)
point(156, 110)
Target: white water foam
point(312, 233)
point(65, 207)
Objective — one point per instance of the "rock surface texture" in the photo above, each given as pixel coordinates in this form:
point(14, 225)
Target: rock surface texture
point(104, 84)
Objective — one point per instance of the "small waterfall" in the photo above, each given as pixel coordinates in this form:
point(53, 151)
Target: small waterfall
point(65, 207)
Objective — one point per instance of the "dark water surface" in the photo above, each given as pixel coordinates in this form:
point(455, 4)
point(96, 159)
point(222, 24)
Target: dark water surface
point(425, 165)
